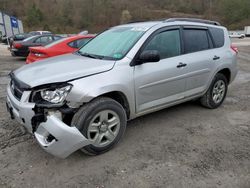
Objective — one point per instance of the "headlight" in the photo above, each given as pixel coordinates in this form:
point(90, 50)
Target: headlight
point(57, 95)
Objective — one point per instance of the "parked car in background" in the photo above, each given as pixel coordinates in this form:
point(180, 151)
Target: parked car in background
point(236, 35)
point(21, 48)
point(83, 100)
point(59, 47)
point(18, 37)
point(39, 32)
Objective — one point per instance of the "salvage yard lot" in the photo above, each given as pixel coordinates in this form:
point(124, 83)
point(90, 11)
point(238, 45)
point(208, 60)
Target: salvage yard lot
point(183, 146)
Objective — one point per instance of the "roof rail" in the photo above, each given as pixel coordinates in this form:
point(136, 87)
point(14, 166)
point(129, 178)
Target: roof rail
point(192, 20)
point(135, 21)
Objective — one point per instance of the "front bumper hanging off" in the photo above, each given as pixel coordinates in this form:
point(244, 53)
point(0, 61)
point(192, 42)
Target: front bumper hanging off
point(53, 135)
point(65, 140)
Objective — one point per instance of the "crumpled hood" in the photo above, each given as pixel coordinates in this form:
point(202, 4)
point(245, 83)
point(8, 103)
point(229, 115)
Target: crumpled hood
point(60, 69)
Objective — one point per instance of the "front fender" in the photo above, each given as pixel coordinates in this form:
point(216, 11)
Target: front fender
point(86, 89)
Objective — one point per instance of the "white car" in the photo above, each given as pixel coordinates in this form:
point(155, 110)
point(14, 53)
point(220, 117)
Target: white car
point(39, 32)
point(237, 35)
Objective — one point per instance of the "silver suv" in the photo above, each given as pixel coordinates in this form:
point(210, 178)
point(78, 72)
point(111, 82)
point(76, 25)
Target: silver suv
point(84, 100)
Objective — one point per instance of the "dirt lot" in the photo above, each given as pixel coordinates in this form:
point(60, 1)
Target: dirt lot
point(183, 146)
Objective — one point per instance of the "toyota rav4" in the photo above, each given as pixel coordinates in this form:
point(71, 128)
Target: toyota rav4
point(84, 100)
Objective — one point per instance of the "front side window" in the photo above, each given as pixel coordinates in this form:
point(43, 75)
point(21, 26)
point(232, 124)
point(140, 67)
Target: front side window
point(195, 40)
point(167, 43)
point(114, 43)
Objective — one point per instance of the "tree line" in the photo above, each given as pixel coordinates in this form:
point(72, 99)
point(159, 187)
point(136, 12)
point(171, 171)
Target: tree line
point(71, 16)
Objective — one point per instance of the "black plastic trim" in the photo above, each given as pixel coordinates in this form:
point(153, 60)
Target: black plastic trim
point(18, 82)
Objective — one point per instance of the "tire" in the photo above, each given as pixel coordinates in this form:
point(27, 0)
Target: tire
point(207, 99)
point(103, 133)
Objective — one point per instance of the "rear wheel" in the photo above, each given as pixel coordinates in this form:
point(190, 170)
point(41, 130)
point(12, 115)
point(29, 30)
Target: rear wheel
point(103, 122)
point(216, 93)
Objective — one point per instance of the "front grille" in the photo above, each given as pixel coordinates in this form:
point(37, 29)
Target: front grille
point(16, 90)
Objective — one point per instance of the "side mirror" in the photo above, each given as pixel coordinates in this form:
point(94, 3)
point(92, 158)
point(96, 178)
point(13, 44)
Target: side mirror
point(149, 56)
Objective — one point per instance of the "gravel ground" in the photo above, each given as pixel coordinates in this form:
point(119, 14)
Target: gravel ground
point(183, 146)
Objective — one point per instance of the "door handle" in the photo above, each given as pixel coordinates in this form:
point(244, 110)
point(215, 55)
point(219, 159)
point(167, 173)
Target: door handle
point(216, 57)
point(181, 65)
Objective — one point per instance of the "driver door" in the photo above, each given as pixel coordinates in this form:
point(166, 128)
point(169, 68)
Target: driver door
point(163, 82)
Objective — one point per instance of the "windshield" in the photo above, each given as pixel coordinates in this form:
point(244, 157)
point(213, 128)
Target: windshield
point(55, 42)
point(19, 36)
point(112, 44)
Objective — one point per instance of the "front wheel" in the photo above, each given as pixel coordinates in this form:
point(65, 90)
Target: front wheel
point(103, 122)
point(216, 93)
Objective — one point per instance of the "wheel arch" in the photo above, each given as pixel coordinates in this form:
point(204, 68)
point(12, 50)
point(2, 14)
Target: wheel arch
point(227, 73)
point(119, 97)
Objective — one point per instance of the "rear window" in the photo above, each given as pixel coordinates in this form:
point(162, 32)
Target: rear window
point(29, 38)
point(218, 36)
point(19, 36)
point(57, 37)
point(195, 40)
point(79, 42)
point(55, 42)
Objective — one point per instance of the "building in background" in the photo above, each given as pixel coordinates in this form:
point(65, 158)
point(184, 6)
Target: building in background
point(10, 25)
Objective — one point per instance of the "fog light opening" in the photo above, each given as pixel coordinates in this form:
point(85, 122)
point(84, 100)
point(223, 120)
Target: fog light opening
point(50, 138)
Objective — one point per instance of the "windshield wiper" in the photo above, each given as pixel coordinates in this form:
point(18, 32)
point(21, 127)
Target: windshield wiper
point(95, 56)
point(90, 55)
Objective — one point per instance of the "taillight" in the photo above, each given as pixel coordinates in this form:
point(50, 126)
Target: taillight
point(235, 49)
point(17, 45)
point(38, 54)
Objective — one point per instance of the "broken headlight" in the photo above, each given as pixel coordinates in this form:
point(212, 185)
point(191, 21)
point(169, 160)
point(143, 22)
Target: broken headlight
point(53, 94)
point(57, 95)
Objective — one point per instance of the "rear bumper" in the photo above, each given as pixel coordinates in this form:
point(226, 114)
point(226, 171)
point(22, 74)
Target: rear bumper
point(17, 52)
point(53, 135)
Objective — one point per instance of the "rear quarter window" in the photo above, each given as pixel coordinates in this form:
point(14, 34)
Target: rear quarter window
point(218, 37)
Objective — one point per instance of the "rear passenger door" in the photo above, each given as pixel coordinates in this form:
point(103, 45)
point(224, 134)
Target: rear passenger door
point(199, 57)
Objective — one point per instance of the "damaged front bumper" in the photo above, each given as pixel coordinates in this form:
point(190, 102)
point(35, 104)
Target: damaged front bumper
point(53, 135)
point(59, 139)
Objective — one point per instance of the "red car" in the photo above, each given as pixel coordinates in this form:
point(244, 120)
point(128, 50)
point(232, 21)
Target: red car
point(59, 47)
